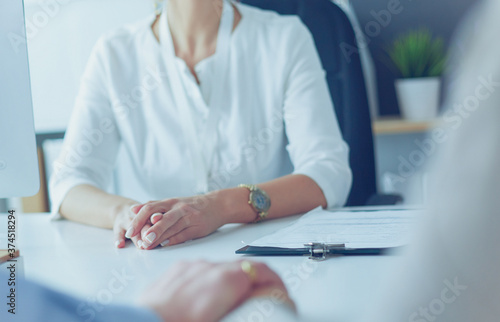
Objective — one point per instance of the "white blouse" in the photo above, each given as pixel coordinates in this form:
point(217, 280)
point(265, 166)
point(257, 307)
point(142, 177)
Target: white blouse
point(277, 116)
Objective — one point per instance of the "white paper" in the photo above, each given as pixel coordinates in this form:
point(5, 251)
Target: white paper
point(356, 229)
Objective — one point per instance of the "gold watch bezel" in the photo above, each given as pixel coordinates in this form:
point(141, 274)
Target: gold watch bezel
point(261, 214)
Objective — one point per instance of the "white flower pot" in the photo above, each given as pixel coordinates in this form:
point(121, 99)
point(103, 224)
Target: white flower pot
point(418, 98)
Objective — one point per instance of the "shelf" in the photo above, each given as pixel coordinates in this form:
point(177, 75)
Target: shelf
point(396, 125)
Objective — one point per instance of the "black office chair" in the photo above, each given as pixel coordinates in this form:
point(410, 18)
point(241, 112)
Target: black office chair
point(333, 33)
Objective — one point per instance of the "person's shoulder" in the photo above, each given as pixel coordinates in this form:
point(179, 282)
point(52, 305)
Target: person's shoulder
point(270, 19)
point(125, 38)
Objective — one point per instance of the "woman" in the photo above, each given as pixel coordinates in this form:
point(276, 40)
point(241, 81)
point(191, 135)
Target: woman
point(203, 97)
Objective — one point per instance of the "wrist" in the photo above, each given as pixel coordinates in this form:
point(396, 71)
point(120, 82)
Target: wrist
point(235, 207)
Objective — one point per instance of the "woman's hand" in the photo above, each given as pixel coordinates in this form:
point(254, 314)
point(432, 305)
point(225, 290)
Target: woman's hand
point(123, 219)
point(202, 291)
point(174, 221)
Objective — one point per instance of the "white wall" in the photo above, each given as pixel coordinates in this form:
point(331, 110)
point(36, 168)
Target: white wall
point(401, 165)
point(61, 34)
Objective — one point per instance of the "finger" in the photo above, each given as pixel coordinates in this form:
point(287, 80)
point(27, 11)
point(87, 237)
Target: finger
point(169, 225)
point(137, 241)
point(135, 208)
point(266, 276)
point(164, 239)
point(156, 217)
point(119, 235)
point(235, 284)
point(264, 282)
point(269, 284)
point(143, 217)
point(189, 233)
point(184, 272)
point(263, 277)
point(145, 237)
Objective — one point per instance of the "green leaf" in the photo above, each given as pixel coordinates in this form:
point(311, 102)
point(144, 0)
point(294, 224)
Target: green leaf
point(418, 54)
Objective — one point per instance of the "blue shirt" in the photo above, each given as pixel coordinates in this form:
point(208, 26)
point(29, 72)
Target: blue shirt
point(34, 302)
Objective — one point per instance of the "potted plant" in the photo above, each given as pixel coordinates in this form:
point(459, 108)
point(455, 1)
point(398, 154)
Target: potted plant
point(420, 61)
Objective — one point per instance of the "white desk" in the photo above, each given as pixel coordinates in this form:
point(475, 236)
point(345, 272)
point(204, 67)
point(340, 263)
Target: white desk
point(80, 260)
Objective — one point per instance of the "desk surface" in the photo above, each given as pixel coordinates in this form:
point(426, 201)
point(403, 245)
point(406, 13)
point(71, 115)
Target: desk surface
point(82, 260)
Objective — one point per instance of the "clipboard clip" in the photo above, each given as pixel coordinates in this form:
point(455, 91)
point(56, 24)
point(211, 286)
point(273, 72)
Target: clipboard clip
point(319, 251)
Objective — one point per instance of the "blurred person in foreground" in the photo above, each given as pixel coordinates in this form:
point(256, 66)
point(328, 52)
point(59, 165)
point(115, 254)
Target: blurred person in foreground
point(451, 271)
point(189, 291)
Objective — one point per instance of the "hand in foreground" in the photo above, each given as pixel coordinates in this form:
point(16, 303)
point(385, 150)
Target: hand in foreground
point(203, 291)
point(174, 221)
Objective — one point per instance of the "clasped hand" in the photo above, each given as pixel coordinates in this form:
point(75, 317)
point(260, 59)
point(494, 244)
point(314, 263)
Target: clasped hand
point(170, 221)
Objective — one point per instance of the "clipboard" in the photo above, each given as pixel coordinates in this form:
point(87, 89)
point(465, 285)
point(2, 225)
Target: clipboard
point(315, 251)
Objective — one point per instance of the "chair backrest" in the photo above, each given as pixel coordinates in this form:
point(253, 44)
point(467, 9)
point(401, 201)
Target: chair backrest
point(336, 44)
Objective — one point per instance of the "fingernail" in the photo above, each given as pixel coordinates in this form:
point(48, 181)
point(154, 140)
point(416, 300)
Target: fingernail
point(151, 237)
point(139, 243)
point(155, 216)
point(129, 232)
point(164, 243)
point(131, 208)
point(117, 243)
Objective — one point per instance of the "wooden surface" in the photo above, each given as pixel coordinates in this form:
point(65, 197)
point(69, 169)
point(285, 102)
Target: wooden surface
point(396, 125)
point(4, 255)
point(38, 202)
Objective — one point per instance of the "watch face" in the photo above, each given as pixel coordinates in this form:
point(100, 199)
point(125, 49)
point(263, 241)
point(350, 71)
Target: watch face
point(260, 200)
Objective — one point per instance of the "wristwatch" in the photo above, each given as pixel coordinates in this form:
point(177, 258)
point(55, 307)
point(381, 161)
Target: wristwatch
point(259, 200)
